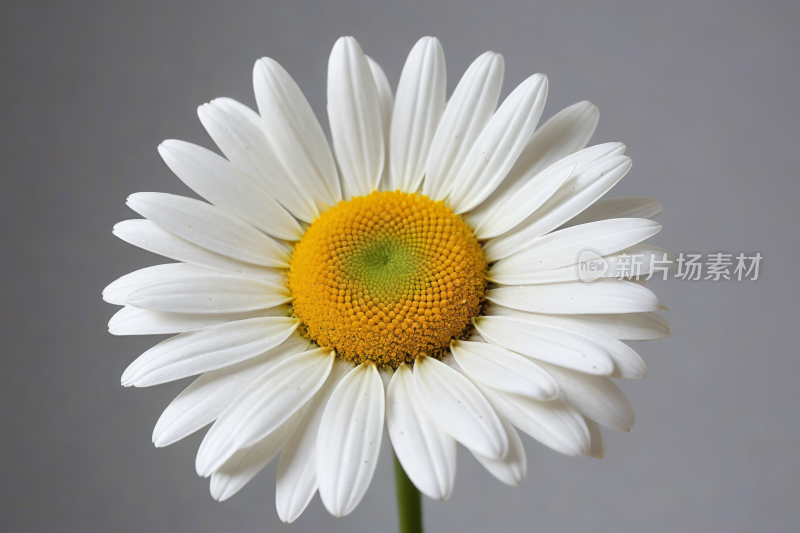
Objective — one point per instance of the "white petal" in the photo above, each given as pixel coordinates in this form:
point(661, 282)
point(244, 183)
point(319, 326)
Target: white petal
point(216, 347)
point(427, 453)
point(504, 370)
point(243, 465)
point(236, 130)
point(355, 118)
point(529, 179)
point(229, 105)
point(595, 397)
point(146, 235)
point(598, 446)
point(118, 291)
point(469, 109)
point(297, 468)
point(295, 134)
point(626, 326)
point(266, 404)
point(491, 219)
point(457, 407)
point(546, 342)
point(624, 207)
point(349, 439)
point(210, 227)
point(563, 248)
point(210, 394)
point(604, 296)
point(386, 100)
point(512, 468)
point(577, 193)
point(239, 133)
point(627, 363)
point(220, 182)
point(134, 321)
point(499, 144)
point(207, 292)
point(555, 424)
point(417, 111)
point(566, 133)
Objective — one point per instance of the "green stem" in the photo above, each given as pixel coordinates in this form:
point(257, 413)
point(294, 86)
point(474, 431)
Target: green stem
point(409, 502)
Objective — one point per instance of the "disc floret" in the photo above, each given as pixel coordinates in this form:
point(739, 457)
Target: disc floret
point(387, 277)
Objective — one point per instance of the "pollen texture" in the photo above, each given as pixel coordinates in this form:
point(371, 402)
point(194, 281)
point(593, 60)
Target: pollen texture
point(387, 277)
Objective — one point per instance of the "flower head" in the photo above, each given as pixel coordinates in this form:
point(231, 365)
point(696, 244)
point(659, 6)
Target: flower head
point(421, 273)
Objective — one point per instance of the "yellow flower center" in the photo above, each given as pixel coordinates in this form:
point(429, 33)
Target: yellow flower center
point(387, 277)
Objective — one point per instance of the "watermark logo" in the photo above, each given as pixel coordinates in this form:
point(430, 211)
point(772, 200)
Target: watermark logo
point(591, 266)
point(633, 265)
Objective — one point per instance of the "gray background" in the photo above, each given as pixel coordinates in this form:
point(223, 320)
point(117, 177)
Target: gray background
point(703, 93)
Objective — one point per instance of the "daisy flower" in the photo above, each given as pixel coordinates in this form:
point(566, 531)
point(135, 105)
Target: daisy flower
point(418, 273)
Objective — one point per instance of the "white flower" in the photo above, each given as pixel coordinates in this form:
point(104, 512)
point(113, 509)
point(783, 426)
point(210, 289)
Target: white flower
point(322, 292)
